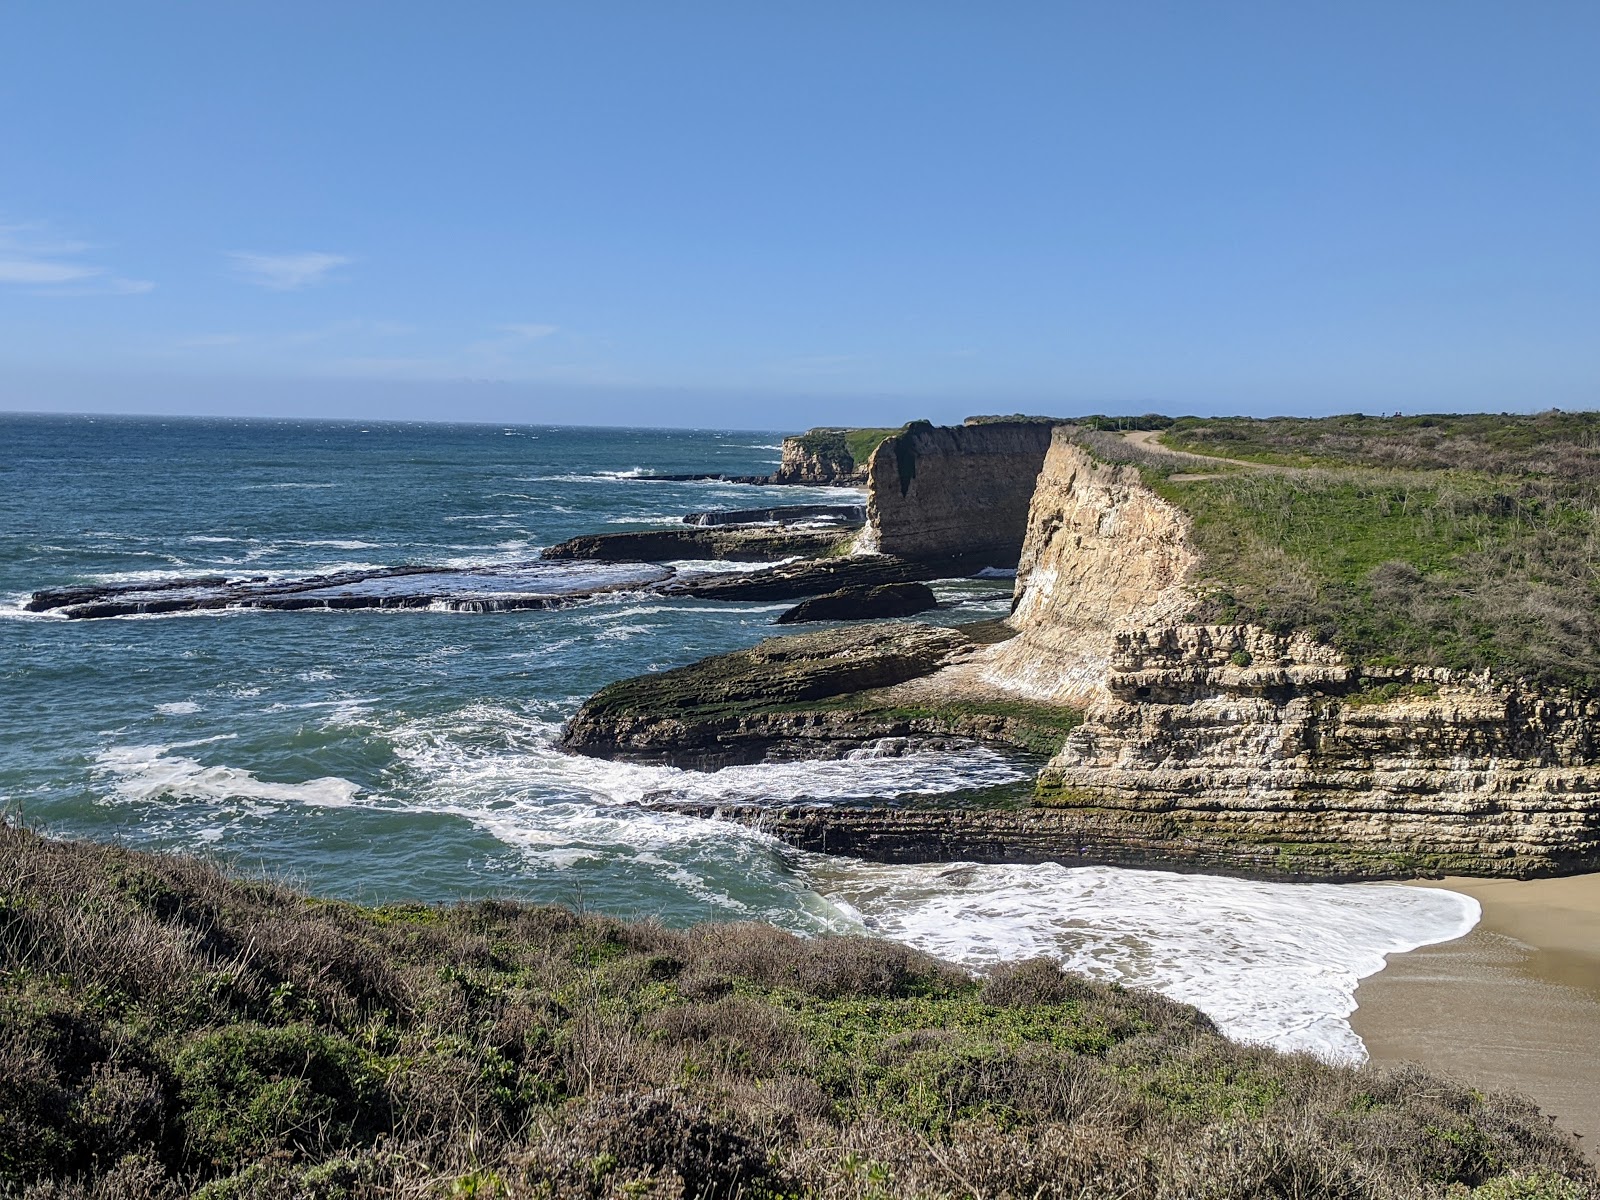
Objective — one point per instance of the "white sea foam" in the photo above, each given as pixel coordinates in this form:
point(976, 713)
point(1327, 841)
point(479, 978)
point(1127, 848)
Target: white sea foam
point(689, 567)
point(178, 708)
point(145, 773)
point(1269, 962)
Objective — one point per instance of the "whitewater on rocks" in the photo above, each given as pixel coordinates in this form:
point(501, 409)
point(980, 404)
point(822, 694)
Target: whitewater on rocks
point(397, 735)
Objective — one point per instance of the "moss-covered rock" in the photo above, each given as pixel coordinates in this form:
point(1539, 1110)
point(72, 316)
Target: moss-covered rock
point(770, 701)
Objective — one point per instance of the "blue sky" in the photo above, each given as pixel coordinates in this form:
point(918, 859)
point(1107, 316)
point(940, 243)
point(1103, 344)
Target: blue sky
point(771, 215)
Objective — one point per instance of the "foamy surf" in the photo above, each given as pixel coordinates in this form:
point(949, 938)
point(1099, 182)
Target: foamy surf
point(1272, 963)
point(144, 773)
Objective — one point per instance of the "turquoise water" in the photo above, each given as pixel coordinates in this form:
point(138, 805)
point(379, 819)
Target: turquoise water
point(384, 754)
point(410, 754)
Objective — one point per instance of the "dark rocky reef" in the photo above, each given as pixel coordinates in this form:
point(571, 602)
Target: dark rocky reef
point(812, 695)
point(863, 604)
point(503, 588)
point(813, 577)
point(736, 544)
point(850, 515)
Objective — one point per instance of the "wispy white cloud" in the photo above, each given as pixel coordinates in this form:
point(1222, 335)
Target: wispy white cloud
point(527, 333)
point(285, 272)
point(48, 266)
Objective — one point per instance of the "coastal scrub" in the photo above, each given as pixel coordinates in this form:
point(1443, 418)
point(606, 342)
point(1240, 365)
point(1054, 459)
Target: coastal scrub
point(168, 1030)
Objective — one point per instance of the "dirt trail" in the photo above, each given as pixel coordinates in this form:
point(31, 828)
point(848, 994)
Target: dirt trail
point(1145, 439)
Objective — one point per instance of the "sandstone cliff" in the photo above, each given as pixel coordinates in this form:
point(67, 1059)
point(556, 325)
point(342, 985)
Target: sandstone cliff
point(954, 492)
point(1231, 745)
point(1276, 753)
point(1101, 553)
point(828, 457)
point(1203, 747)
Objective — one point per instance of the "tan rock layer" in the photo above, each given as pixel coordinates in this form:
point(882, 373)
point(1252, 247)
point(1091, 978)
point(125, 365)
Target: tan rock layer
point(1102, 553)
point(1249, 739)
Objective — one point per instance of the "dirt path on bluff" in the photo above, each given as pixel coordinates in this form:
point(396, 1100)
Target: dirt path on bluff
point(1146, 440)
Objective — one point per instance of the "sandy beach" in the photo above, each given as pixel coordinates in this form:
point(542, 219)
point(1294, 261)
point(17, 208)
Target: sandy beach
point(1514, 1005)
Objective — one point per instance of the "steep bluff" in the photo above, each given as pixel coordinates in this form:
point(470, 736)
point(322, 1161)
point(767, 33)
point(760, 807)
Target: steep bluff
point(1230, 745)
point(954, 492)
point(1101, 553)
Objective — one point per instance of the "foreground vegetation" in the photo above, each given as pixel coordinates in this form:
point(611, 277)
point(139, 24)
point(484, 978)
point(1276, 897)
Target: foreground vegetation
point(1464, 541)
point(166, 1030)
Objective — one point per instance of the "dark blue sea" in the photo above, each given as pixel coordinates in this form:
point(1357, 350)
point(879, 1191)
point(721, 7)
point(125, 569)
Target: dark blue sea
point(410, 754)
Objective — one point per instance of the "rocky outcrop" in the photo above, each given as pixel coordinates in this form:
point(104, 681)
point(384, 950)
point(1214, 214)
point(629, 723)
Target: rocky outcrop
point(843, 515)
point(811, 577)
point(759, 703)
point(813, 695)
point(958, 492)
point(863, 604)
point(821, 458)
point(1240, 745)
point(732, 543)
point(506, 587)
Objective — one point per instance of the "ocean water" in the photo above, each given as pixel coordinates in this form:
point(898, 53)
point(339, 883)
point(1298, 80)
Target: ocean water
point(388, 754)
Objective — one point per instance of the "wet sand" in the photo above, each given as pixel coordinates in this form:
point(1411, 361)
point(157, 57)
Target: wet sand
point(1513, 1006)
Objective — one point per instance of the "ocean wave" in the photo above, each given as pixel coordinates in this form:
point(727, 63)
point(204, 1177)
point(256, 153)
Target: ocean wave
point(146, 773)
point(1273, 963)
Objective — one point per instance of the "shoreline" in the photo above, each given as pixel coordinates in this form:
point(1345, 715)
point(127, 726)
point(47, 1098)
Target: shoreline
point(1514, 1005)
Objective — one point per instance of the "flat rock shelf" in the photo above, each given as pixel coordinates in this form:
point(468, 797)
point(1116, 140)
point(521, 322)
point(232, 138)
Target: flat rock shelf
point(505, 587)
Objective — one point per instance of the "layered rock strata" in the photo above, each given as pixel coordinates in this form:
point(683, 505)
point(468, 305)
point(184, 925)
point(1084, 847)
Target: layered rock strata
point(1234, 743)
point(1216, 748)
point(955, 492)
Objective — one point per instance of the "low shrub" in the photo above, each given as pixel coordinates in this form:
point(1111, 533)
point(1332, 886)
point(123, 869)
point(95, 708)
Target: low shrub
point(157, 1040)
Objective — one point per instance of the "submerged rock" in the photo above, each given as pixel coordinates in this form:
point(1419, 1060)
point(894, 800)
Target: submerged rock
point(863, 604)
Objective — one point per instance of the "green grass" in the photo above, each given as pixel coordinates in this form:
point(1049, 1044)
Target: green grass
point(1468, 542)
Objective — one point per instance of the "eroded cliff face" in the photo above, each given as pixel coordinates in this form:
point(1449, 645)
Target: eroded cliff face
point(818, 462)
point(1231, 746)
point(1102, 554)
point(959, 493)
